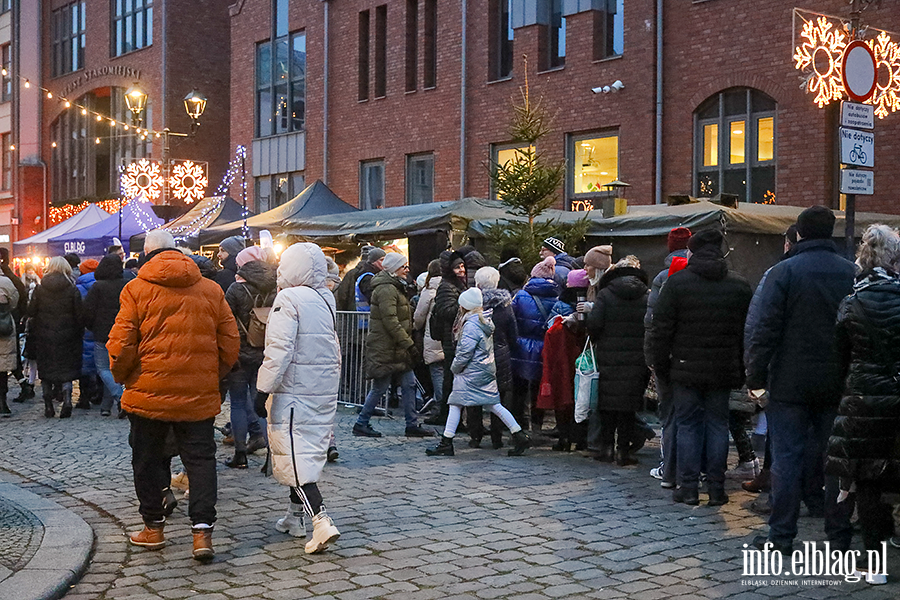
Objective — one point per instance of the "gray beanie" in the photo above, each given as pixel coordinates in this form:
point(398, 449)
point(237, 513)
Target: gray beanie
point(375, 254)
point(232, 245)
point(393, 261)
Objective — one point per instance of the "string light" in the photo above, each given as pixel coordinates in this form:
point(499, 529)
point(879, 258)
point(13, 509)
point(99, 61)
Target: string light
point(27, 84)
point(53, 144)
point(67, 104)
point(84, 111)
point(58, 214)
point(49, 95)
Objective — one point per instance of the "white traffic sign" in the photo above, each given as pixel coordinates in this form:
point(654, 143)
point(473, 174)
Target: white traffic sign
point(857, 147)
point(855, 181)
point(857, 116)
point(860, 71)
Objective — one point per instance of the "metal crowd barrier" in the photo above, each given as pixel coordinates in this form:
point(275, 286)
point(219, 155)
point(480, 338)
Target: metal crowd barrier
point(352, 328)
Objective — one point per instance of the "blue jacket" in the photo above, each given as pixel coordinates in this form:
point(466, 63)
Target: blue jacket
point(532, 325)
point(84, 283)
point(790, 350)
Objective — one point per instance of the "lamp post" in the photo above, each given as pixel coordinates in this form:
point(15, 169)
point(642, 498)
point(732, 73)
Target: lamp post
point(611, 204)
point(194, 106)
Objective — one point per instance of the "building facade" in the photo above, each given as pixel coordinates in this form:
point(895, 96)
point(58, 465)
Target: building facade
point(70, 85)
point(408, 101)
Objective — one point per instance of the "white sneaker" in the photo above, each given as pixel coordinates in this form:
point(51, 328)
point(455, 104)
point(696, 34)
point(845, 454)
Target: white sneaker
point(657, 472)
point(745, 470)
point(324, 533)
point(292, 523)
point(871, 578)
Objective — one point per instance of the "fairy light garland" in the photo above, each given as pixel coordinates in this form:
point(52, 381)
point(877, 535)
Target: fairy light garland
point(58, 214)
point(203, 219)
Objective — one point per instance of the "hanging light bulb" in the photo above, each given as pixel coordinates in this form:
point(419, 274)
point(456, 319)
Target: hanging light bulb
point(27, 84)
point(84, 111)
point(68, 104)
point(49, 95)
point(99, 118)
point(97, 141)
point(53, 144)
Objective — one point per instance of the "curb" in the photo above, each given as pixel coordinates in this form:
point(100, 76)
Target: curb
point(62, 557)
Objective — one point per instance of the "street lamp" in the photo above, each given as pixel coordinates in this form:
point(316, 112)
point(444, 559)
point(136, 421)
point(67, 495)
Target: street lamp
point(194, 106)
point(136, 101)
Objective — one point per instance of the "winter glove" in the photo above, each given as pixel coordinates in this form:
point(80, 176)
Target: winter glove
point(584, 307)
point(259, 405)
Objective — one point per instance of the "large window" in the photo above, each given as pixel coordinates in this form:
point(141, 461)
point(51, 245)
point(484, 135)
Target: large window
point(593, 163)
point(274, 190)
point(67, 27)
point(7, 154)
point(609, 29)
point(734, 141)
point(371, 184)
point(500, 38)
point(420, 178)
point(87, 154)
point(501, 154)
point(132, 25)
point(281, 85)
point(6, 92)
point(5, 5)
point(556, 35)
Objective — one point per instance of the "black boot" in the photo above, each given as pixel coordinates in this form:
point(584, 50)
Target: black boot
point(520, 442)
point(717, 496)
point(624, 459)
point(48, 408)
point(444, 448)
point(65, 411)
point(4, 408)
point(239, 461)
point(606, 453)
point(26, 392)
point(687, 495)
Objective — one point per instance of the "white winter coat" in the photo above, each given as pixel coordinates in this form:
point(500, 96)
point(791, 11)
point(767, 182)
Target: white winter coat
point(302, 367)
point(432, 351)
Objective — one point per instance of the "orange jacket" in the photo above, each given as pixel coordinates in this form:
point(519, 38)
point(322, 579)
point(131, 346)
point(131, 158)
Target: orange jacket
point(173, 339)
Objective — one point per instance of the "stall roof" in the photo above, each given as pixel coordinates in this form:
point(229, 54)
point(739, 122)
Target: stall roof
point(403, 221)
point(316, 200)
point(37, 244)
point(209, 212)
point(94, 239)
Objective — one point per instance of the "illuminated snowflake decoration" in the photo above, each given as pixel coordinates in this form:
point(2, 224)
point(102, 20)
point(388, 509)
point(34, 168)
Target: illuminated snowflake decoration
point(142, 177)
point(886, 98)
point(188, 182)
point(820, 55)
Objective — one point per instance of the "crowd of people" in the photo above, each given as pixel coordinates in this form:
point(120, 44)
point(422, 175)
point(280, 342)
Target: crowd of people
point(165, 341)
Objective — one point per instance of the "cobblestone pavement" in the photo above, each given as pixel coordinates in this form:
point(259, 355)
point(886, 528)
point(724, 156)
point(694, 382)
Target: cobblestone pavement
point(479, 525)
point(20, 537)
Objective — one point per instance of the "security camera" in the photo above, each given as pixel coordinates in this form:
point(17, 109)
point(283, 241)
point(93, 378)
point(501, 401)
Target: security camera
point(597, 90)
point(617, 85)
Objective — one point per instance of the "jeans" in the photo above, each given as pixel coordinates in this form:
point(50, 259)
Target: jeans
point(407, 398)
point(702, 421)
point(669, 444)
point(437, 380)
point(101, 360)
point(244, 421)
point(799, 435)
point(150, 463)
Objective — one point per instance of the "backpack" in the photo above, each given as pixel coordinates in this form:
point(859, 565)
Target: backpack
point(255, 331)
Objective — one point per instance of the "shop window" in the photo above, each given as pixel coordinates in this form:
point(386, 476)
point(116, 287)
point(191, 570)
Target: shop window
point(132, 26)
point(736, 146)
point(420, 178)
point(371, 184)
point(593, 163)
point(67, 31)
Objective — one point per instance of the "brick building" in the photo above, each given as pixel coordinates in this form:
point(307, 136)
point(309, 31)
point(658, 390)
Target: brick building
point(406, 101)
point(70, 82)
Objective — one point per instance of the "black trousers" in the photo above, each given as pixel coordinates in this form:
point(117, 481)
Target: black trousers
point(612, 421)
point(875, 521)
point(150, 462)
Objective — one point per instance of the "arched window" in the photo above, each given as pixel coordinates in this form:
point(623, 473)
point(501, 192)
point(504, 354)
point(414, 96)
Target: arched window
point(734, 145)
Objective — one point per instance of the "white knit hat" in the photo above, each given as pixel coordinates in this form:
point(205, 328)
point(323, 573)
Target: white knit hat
point(393, 261)
point(471, 299)
point(487, 278)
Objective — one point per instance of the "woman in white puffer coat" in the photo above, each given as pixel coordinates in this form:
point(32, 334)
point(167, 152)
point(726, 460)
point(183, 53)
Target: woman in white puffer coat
point(301, 370)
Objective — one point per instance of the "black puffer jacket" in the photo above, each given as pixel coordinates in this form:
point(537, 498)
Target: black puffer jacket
point(696, 337)
point(474, 261)
point(512, 276)
point(257, 290)
point(101, 305)
point(446, 303)
point(864, 444)
point(505, 334)
point(55, 330)
point(616, 327)
point(791, 349)
point(225, 276)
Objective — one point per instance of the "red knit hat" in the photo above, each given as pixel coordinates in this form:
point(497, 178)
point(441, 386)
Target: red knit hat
point(678, 238)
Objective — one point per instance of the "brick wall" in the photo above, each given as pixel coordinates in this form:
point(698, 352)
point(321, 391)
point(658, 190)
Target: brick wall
point(709, 46)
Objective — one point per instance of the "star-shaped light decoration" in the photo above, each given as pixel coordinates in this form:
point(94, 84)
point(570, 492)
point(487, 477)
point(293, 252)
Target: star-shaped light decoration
point(188, 182)
point(820, 56)
point(142, 177)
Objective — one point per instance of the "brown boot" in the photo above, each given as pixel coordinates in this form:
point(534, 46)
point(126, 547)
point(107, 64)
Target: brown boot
point(203, 549)
point(760, 483)
point(151, 537)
